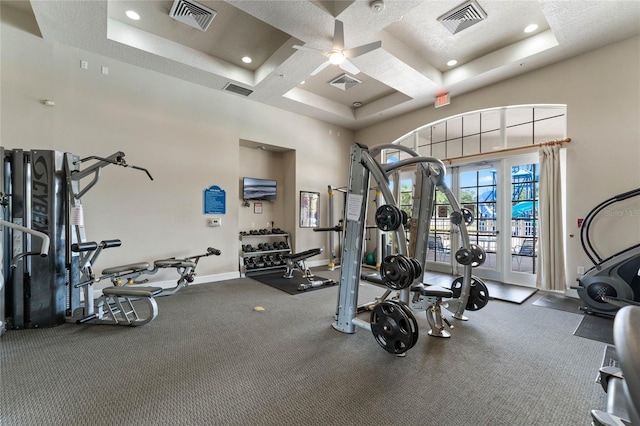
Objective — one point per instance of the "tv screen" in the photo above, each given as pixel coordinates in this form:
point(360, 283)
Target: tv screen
point(258, 189)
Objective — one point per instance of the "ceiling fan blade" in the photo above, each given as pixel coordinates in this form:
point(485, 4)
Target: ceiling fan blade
point(310, 49)
point(338, 36)
point(361, 50)
point(349, 67)
point(321, 67)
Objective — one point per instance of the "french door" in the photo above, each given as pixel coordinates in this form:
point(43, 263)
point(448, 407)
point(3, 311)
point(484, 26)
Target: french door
point(503, 197)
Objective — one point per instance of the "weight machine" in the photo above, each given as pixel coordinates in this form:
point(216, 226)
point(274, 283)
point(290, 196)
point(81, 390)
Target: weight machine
point(391, 321)
point(41, 190)
point(613, 282)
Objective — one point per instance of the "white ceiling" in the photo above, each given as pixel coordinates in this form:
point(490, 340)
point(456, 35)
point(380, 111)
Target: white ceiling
point(405, 74)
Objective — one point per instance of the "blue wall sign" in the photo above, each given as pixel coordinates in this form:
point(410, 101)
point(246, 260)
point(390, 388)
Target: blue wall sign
point(215, 200)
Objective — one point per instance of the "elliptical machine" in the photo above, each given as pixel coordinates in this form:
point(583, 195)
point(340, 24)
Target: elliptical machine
point(613, 282)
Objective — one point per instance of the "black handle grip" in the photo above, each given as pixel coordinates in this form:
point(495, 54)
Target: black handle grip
point(212, 250)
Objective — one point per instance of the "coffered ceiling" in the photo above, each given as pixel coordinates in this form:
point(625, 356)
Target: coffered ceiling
point(405, 73)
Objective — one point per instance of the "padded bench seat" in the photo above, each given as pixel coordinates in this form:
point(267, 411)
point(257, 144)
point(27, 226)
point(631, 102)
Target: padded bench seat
point(132, 291)
point(296, 257)
point(174, 263)
point(432, 290)
point(132, 267)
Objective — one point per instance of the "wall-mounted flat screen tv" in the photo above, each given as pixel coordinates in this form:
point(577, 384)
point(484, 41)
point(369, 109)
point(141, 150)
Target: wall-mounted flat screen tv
point(258, 189)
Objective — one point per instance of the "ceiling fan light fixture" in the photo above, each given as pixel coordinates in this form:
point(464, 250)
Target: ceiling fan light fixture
point(336, 58)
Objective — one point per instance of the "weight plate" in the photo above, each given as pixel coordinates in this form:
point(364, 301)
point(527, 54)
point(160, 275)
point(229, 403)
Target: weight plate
point(478, 295)
point(414, 322)
point(397, 272)
point(455, 218)
point(388, 217)
point(467, 215)
point(405, 218)
point(417, 268)
point(479, 255)
point(464, 256)
point(456, 287)
point(392, 328)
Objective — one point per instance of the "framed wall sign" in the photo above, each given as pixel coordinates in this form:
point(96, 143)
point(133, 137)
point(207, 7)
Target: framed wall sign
point(309, 209)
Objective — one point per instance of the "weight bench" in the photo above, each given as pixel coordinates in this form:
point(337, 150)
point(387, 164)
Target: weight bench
point(115, 305)
point(298, 261)
point(427, 297)
point(130, 273)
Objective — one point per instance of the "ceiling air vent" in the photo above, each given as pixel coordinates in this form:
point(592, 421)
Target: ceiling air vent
point(462, 17)
point(193, 14)
point(230, 87)
point(344, 82)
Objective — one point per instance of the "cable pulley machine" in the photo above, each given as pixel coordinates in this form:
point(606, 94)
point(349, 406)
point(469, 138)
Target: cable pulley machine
point(391, 321)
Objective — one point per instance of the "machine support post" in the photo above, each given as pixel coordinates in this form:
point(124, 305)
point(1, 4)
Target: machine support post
point(351, 260)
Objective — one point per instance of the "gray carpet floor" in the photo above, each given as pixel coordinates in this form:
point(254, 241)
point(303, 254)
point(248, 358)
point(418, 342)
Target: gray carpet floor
point(211, 359)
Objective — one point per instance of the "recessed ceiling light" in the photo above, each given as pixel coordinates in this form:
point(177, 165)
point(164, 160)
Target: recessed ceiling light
point(357, 104)
point(452, 62)
point(246, 59)
point(131, 14)
point(531, 28)
point(303, 82)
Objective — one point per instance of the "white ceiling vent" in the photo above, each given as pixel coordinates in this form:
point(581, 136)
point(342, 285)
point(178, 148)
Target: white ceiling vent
point(233, 88)
point(462, 17)
point(344, 82)
point(193, 14)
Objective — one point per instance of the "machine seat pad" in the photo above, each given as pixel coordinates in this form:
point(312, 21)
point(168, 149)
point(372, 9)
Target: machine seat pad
point(131, 291)
point(295, 257)
point(174, 263)
point(133, 267)
point(86, 246)
point(432, 290)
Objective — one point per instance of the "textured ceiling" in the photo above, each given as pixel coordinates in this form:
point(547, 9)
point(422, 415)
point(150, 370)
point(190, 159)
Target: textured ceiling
point(404, 74)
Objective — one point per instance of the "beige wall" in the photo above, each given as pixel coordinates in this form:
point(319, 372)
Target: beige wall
point(602, 92)
point(188, 136)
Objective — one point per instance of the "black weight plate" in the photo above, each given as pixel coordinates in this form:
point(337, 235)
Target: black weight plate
point(396, 272)
point(478, 295)
point(479, 255)
point(456, 287)
point(392, 327)
point(468, 216)
point(409, 266)
point(464, 256)
point(417, 267)
point(414, 322)
point(388, 217)
point(455, 218)
point(405, 218)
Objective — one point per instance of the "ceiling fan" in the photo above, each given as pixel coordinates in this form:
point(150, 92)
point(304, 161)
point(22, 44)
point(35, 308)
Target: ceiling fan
point(338, 54)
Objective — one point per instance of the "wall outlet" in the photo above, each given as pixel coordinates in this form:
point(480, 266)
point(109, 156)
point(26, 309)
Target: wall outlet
point(215, 222)
point(580, 270)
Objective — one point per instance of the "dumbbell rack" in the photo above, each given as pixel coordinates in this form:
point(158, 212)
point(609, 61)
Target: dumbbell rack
point(261, 259)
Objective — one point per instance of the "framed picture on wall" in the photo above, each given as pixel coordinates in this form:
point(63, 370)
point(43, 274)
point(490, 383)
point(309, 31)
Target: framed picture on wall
point(257, 208)
point(309, 209)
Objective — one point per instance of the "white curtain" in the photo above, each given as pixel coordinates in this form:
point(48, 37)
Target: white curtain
point(550, 271)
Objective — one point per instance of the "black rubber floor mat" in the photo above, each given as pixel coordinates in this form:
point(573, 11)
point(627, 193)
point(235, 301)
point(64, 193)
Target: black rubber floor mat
point(509, 293)
point(291, 285)
point(596, 328)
